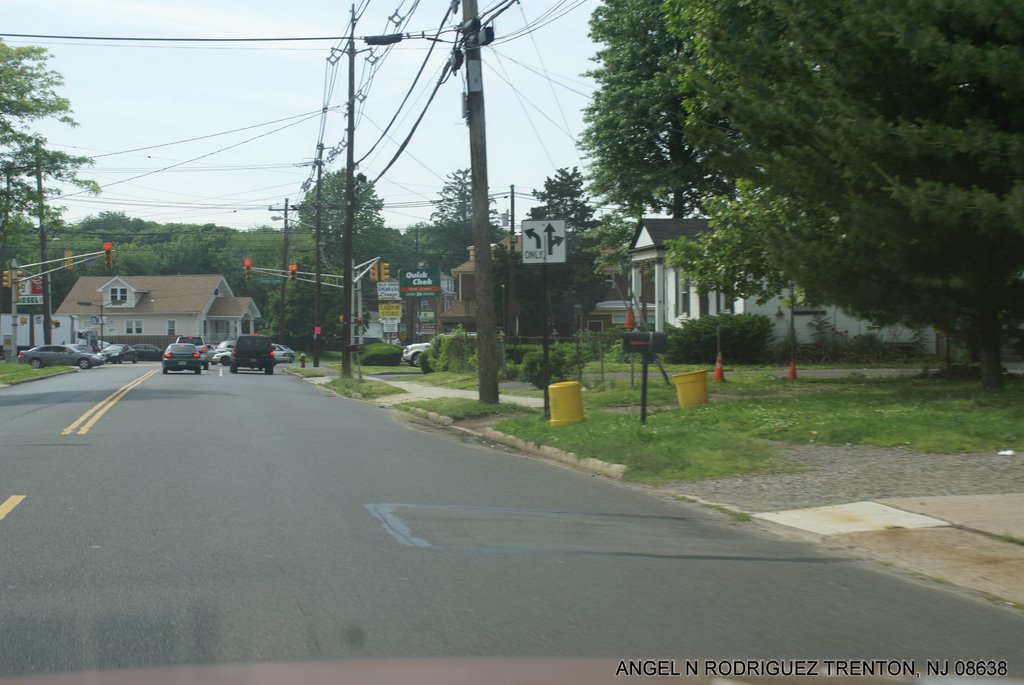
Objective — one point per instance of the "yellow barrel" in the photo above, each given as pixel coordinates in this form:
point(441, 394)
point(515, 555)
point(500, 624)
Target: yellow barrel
point(691, 388)
point(566, 403)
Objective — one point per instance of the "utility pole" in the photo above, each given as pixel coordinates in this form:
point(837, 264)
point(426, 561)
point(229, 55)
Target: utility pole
point(316, 296)
point(350, 207)
point(47, 327)
point(510, 309)
point(284, 267)
point(485, 324)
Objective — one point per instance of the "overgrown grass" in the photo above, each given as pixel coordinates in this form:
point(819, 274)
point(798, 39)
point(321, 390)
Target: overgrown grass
point(365, 389)
point(460, 409)
point(16, 373)
point(449, 379)
point(668, 447)
point(739, 431)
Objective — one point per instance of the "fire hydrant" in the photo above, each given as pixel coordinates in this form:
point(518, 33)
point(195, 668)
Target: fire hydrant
point(302, 360)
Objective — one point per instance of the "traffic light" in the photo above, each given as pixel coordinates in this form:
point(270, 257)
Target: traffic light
point(248, 269)
point(373, 271)
point(293, 271)
point(16, 280)
point(7, 279)
point(385, 271)
point(68, 261)
point(108, 257)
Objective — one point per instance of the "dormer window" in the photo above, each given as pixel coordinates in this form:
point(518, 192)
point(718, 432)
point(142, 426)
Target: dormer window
point(119, 296)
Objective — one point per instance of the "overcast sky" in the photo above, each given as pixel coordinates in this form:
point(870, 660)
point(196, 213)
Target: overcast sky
point(131, 95)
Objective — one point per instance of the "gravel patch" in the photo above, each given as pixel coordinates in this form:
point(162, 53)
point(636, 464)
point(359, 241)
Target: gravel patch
point(837, 475)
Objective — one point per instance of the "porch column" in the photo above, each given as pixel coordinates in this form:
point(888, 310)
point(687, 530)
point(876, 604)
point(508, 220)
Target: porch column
point(636, 289)
point(659, 295)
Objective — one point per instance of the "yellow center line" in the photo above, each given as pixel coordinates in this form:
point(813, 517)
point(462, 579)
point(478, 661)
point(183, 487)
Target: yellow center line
point(87, 420)
point(9, 504)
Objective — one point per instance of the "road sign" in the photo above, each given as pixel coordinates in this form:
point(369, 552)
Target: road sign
point(419, 283)
point(269, 280)
point(389, 311)
point(30, 299)
point(544, 242)
point(387, 290)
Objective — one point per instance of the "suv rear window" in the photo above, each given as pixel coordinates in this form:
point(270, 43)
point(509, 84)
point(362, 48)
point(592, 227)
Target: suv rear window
point(253, 342)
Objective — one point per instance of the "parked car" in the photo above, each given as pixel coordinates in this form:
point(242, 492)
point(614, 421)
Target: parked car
point(147, 353)
point(253, 352)
point(221, 354)
point(411, 353)
point(283, 353)
point(182, 357)
point(118, 354)
point(201, 346)
point(60, 355)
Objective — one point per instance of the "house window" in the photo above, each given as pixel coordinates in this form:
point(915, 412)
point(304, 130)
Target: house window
point(133, 327)
point(118, 295)
point(171, 326)
point(684, 297)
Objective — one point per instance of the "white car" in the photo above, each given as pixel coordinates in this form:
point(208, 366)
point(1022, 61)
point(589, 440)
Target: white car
point(411, 353)
point(283, 353)
point(221, 354)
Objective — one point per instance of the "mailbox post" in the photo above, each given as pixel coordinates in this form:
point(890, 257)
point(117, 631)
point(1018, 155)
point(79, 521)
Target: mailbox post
point(647, 344)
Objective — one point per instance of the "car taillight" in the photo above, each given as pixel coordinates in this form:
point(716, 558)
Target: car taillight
point(195, 355)
point(271, 353)
point(167, 355)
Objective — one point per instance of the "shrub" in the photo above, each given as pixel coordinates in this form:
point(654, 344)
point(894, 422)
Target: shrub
point(454, 352)
point(562, 365)
point(381, 354)
point(745, 339)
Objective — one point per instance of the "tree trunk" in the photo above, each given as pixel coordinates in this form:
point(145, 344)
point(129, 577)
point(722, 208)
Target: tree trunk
point(989, 344)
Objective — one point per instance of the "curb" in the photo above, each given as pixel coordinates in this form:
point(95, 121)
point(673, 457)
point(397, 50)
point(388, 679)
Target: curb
point(596, 466)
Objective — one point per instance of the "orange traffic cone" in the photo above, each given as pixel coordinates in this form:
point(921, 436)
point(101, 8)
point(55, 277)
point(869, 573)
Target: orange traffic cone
point(719, 372)
point(792, 369)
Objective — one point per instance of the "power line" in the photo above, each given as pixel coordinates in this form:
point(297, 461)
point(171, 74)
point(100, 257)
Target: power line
point(139, 39)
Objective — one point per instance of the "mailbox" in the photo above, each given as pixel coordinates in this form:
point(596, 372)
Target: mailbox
point(647, 342)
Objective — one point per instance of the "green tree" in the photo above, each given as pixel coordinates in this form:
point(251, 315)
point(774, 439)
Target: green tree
point(881, 142)
point(642, 157)
point(28, 93)
point(447, 241)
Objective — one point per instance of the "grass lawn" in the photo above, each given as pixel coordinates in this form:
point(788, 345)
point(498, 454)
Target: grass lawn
point(16, 373)
point(460, 409)
point(365, 389)
point(740, 430)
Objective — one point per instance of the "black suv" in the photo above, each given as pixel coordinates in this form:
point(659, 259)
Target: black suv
point(253, 352)
point(201, 347)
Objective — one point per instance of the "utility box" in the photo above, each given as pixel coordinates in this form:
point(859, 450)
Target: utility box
point(646, 342)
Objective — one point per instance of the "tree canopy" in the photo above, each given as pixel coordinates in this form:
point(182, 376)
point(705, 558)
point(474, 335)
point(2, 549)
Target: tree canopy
point(880, 147)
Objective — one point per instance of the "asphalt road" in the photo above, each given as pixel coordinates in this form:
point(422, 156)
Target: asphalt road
point(248, 518)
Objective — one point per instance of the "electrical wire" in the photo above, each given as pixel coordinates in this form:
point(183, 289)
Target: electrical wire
point(412, 86)
point(194, 159)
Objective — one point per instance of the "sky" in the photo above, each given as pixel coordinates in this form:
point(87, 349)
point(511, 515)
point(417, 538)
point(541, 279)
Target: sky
point(252, 111)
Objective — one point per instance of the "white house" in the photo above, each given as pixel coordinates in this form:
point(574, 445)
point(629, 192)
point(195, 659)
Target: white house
point(675, 300)
point(158, 308)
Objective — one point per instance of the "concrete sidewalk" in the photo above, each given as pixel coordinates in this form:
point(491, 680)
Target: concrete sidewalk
point(975, 542)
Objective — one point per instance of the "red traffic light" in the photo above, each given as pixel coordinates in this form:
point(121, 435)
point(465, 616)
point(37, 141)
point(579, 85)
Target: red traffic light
point(248, 262)
point(107, 246)
point(108, 260)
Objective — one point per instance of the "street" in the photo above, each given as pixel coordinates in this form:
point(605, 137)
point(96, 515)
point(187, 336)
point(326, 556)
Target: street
point(226, 518)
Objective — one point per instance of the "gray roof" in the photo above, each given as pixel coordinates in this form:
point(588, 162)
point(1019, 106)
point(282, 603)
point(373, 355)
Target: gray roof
point(663, 230)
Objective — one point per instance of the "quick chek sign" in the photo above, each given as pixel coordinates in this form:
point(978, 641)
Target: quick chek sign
point(419, 283)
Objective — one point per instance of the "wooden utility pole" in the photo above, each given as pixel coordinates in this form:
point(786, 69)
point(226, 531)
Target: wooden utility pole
point(317, 331)
point(485, 323)
point(47, 326)
point(350, 207)
point(284, 267)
